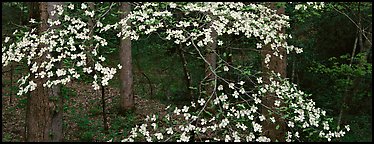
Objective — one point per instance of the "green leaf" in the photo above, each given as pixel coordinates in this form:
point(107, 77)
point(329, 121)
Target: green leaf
point(241, 105)
point(280, 4)
point(194, 88)
point(209, 113)
point(277, 127)
point(285, 116)
point(270, 112)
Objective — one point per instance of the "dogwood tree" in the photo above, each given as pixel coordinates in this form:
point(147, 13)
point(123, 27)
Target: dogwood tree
point(231, 112)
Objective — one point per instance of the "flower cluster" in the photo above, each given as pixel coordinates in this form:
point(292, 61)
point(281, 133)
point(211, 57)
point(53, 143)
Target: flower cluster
point(300, 110)
point(225, 18)
point(240, 120)
point(314, 5)
point(69, 36)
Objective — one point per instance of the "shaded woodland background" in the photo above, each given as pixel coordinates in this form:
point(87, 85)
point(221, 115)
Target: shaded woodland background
point(328, 39)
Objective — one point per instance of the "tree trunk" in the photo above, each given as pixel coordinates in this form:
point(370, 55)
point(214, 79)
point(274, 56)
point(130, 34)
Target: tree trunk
point(187, 75)
point(56, 131)
point(278, 66)
point(90, 24)
point(45, 106)
point(34, 13)
point(360, 29)
point(368, 44)
point(212, 59)
point(21, 14)
point(38, 116)
point(56, 99)
point(127, 97)
point(365, 44)
point(105, 121)
point(293, 71)
point(11, 84)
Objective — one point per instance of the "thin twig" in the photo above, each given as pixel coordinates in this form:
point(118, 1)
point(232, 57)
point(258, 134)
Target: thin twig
point(363, 31)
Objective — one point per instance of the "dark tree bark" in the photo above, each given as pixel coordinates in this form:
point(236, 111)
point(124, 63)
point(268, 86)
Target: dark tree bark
point(38, 115)
point(21, 14)
point(45, 105)
point(186, 72)
point(34, 13)
point(105, 121)
point(56, 99)
point(368, 44)
point(11, 85)
point(90, 24)
point(278, 66)
point(360, 29)
point(127, 97)
point(56, 130)
point(293, 71)
point(211, 57)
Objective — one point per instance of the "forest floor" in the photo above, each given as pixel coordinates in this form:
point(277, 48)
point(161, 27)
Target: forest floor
point(83, 120)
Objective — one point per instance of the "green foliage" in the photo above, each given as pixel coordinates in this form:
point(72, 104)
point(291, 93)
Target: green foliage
point(360, 68)
point(330, 35)
point(280, 4)
point(91, 129)
point(7, 137)
point(361, 129)
point(342, 75)
point(67, 93)
point(159, 61)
